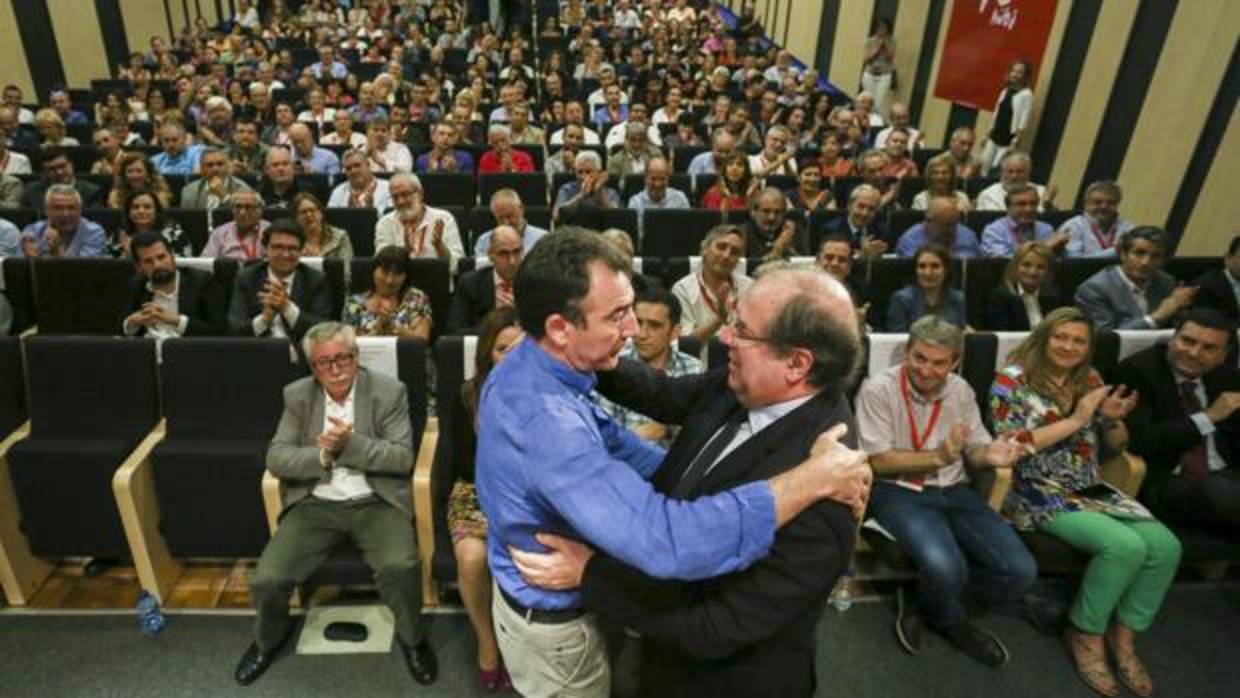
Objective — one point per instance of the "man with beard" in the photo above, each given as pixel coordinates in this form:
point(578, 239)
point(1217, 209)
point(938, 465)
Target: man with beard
point(1014, 170)
point(165, 301)
point(1096, 232)
point(422, 230)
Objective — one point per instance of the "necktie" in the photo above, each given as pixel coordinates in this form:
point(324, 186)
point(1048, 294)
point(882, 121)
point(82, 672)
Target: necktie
point(701, 465)
point(1193, 463)
point(503, 294)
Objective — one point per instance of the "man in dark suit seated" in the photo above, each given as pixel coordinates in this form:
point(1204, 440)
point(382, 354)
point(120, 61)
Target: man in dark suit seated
point(1135, 294)
point(168, 302)
point(835, 256)
point(753, 633)
point(482, 290)
point(343, 453)
point(868, 234)
point(1220, 289)
point(58, 169)
point(1186, 424)
point(280, 297)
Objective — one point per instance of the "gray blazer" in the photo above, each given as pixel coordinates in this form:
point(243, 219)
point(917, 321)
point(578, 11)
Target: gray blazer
point(1106, 299)
point(195, 193)
point(381, 445)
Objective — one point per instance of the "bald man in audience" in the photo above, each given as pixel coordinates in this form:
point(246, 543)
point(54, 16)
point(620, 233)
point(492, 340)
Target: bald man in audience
point(482, 290)
point(1015, 170)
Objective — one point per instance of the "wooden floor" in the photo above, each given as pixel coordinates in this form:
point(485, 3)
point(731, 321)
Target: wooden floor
point(206, 584)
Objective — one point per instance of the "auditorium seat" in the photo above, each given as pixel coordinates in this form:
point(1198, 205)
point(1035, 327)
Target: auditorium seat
point(1187, 269)
point(359, 223)
point(109, 218)
point(482, 220)
point(429, 275)
point(982, 275)
point(12, 386)
point(683, 155)
point(978, 220)
point(196, 224)
point(530, 186)
point(1071, 273)
point(676, 232)
point(442, 190)
point(21, 217)
point(91, 402)
point(910, 187)
point(601, 219)
point(901, 220)
point(81, 296)
point(18, 278)
point(193, 490)
point(454, 364)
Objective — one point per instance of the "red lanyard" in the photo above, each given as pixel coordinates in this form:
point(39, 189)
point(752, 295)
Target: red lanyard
point(363, 198)
point(250, 251)
point(706, 298)
point(1014, 230)
point(421, 237)
point(1104, 241)
point(919, 440)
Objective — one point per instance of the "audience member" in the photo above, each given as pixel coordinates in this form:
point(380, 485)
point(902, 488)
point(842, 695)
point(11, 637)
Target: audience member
point(281, 296)
point(64, 232)
point(247, 155)
point(810, 195)
point(1003, 235)
point(215, 186)
point(1135, 294)
point(1026, 293)
point(502, 157)
point(930, 292)
point(442, 157)
point(588, 190)
point(708, 297)
point(424, 231)
point(242, 237)
point(179, 156)
point(507, 209)
point(657, 193)
point(322, 239)
point(778, 155)
point(386, 154)
point(773, 231)
point(635, 154)
point(58, 169)
point(361, 188)
point(480, 291)
point(734, 188)
point(960, 148)
point(899, 164)
point(1220, 288)
point(942, 227)
point(143, 213)
point(1015, 171)
point(941, 180)
point(722, 145)
point(392, 306)
point(308, 158)
point(166, 301)
point(1050, 398)
point(135, 173)
point(870, 237)
point(1097, 231)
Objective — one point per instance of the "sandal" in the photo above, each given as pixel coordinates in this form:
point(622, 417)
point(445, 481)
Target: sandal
point(1132, 672)
point(1092, 668)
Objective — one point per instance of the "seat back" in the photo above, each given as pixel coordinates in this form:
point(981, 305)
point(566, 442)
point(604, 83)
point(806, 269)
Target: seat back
point(81, 296)
point(12, 395)
point(454, 360)
point(202, 379)
point(530, 186)
point(359, 224)
point(19, 289)
point(449, 190)
point(676, 232)
point(982, 275)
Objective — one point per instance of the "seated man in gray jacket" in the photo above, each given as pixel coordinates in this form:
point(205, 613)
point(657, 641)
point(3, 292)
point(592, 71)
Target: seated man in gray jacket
point(1135, 294)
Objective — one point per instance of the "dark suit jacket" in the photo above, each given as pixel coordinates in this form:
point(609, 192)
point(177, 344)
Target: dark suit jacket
point(310, 293)
point(473, 299)
point(1214, 291)
point(1005, 311)
point(758, 245)
point(36, 191)
point(199, 298)
point(1158, 429)
point(751, 633)
point(840, 225)
point(1108, 302)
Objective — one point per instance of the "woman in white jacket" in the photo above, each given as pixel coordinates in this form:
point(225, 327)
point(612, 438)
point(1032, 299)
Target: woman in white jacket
point(1011, 115)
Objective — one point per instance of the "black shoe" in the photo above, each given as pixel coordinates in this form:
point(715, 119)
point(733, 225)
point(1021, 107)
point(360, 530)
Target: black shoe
point(908, 623)
point(423, 666)
point(254, 662)
point(96, 566)
point(1048, 616)
point(977, 642)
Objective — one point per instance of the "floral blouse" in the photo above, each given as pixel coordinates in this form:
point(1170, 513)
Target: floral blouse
point(1060, 478)
point(414, 306)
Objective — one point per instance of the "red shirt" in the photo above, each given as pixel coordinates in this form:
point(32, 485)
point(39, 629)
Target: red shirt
point(714, 198)
point(490, 163)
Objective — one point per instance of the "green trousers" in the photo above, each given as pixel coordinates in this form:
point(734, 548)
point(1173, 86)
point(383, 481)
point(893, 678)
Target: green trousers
point(307, 535)
point(1131, 566)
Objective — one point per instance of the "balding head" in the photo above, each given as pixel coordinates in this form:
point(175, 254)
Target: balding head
point(505, 251)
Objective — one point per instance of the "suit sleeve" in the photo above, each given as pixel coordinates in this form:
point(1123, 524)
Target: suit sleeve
point(287, 458)
point(1161, 441)
point(318, 305)
point(461, 315)
point(239, 307)
point(390, 450)
point(207, 317)
point(668, 400)
point(1092, 298)
point(721, 617)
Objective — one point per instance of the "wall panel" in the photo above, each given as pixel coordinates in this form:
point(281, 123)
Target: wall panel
point(850, 34)
point(910, 21)
point(1216, 217)
point(143, 19)
point(12, 56)
point(78, 37)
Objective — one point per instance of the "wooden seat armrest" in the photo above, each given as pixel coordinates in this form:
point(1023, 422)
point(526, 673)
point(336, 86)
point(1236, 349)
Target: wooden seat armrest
point(422, 512)
point(273, 500)
point(133, 485)
point(1126, 471)
point(21, 573)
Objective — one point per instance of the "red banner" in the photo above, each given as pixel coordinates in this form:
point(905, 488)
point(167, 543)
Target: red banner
point(984, 38)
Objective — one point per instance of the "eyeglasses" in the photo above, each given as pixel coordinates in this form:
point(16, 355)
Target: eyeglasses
point(743, 334)
point(338, 361)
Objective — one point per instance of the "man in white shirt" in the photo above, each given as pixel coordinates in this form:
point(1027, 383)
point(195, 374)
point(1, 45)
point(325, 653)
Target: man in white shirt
point(422, 230)
point(343, 133)
point(776, 158)
point(1015, 169)
point(508, 209)
point(898, 116)
point(361, 188)
point(1097, 232)
point(385, 154)
point(708, 296)
point(575, 114)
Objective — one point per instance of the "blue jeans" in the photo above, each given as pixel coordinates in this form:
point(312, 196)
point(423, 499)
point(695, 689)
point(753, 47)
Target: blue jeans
point(943, 529)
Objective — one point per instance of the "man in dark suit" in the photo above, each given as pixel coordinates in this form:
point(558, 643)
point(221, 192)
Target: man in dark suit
point(168, 302)
point(58, 169)
point(1186, 424)
point(343, 452)
point(794, 348)
point(280, 297)
point(1220, 289)
point(1135, 294)
point(482, 290)
point(862, 225)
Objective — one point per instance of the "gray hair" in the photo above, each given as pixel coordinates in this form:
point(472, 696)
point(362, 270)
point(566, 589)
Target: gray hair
point(862, 189)
point(250, 192)
point(588, 157)
point(506, 194)
point(935, 331)
point(1016, 155)
point(407, 177)
point(217, 102)
point(1105, 186)
point(61, 190)
point(721, 230)
point(619, 238)
point(326, 332)
point(497, 129)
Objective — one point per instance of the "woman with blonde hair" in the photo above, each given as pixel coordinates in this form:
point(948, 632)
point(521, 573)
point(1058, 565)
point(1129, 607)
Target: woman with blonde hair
point(941, 180)
point(51, 129)
point(1025, 294)
point(1050, 398)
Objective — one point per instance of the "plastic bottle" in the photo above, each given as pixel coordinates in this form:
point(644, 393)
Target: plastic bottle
point(150, 619)
point(841, 595)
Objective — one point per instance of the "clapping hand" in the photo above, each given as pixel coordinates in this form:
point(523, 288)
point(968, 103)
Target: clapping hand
point(1119, 403)
point(336, 437)
point(1085, 408)
point(1005, 451)
point(949, 451)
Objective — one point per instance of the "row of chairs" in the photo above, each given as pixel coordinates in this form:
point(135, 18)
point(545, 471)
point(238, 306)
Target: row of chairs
point(89, 296)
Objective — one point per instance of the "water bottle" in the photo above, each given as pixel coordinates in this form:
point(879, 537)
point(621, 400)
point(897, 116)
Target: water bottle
point(841, 595)
point(150, 619)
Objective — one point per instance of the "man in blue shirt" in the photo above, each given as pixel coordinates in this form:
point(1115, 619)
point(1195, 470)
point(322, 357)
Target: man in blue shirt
point(309, 158)
point(722, 145)
point(550, 460)
point(942, 227)
point(178, 158)
point(65, 233)
point(1020, 225)
point(328, 66)
point(508, 209)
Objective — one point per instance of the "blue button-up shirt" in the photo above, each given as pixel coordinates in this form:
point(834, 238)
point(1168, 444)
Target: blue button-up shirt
point(529, 235)
point(183, 163)
point(965, 244)
point(672, 198)
point(320, 161)
point(1003, 236)
point(550, 459)
point(89, 240)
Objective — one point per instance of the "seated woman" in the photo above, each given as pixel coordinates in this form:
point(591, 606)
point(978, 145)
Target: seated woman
point(392, 307)
point(1025, 295)
point(929, 294)
point(1050, 398)
point(322, 240)
point(144, 213)
point(499, 332)
point(732, 190)
point(51, 129)
point(134, 173)
point(941, 181)
point(810, 195)
point(832, 159)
